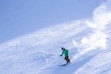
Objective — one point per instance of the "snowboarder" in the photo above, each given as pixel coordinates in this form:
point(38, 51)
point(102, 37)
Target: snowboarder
point(65, 53)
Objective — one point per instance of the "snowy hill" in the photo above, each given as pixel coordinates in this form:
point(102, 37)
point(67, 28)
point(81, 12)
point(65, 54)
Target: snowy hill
point(88, 42)
point(33, 52)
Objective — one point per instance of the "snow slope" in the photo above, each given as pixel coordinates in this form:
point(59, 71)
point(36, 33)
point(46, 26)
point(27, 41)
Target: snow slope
point(88, 42)
point(32, 53)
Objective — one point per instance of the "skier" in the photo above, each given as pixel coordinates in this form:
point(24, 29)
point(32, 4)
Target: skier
point(65, 53)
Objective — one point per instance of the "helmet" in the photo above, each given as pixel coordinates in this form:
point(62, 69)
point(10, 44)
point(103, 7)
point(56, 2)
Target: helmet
point(63, 48)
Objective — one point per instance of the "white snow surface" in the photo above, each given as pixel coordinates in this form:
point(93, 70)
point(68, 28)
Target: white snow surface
point(87, 40)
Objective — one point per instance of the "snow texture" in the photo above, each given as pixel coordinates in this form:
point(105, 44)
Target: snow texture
point(88, 42)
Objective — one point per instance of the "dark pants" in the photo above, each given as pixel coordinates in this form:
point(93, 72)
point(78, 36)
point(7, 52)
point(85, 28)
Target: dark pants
point(67, 59)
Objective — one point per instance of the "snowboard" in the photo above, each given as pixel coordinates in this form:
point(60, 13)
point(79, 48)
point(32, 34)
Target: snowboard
point(64, 64)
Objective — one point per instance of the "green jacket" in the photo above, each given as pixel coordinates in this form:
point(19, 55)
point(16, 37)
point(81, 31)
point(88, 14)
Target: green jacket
point(65, 52)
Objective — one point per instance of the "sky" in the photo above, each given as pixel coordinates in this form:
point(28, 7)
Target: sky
point(20, 17)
